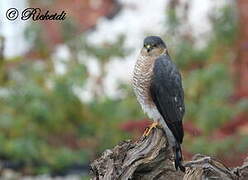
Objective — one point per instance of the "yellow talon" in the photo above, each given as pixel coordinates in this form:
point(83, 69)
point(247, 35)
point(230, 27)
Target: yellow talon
point(148, 130)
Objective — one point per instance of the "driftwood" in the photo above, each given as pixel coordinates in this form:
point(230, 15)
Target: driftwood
point(150, 158)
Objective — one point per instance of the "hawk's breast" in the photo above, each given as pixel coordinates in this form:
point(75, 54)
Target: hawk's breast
point(141, 82)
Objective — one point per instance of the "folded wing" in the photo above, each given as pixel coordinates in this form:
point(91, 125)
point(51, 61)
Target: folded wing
point(167, 93)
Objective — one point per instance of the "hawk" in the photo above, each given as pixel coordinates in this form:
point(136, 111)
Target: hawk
point(158, 87)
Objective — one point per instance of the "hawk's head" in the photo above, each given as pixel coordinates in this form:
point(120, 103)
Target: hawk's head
point(153, 46)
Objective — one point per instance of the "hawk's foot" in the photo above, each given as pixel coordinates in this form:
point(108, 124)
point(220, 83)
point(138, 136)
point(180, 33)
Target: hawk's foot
point(149, 129)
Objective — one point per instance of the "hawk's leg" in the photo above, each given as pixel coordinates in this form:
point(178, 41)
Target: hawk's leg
point(148, 130)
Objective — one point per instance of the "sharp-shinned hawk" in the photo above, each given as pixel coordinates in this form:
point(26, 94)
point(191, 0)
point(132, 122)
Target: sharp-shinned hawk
point(158, 87)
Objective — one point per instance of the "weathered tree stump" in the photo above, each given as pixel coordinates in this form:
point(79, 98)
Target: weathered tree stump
point(150, 158)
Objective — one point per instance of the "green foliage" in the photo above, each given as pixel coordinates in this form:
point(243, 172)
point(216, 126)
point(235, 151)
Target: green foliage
point(207, 79)
point(107, 51)
point(243, 145)
point(187, 56)
point(225, 24)
point(204, 88)
point(43, 121)
point(206, 146)
point(35, 117)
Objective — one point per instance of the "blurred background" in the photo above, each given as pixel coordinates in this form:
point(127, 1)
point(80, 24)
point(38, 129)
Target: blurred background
point(65, 92)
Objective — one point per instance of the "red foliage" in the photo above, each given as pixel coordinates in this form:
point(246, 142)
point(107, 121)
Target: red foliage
point(134, 126)
point(238, 124)
point(233, 159)
point(191, 129)
point(241, 61)
point(131, 126)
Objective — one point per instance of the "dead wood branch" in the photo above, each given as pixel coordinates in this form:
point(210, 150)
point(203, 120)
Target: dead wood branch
point(150, 158)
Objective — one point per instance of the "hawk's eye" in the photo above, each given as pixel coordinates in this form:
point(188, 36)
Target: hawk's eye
point(154, 45)
point(147, 46)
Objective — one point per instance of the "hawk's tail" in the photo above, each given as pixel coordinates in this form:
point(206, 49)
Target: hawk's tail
point(178, 157)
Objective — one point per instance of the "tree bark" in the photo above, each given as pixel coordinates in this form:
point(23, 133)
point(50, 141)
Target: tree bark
point(151, 158)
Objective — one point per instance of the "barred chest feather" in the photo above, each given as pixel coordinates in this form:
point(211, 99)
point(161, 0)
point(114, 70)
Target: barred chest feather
point(142, 76)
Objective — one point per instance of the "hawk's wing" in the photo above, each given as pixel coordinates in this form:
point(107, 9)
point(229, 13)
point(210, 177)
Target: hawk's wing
point(167, 94)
